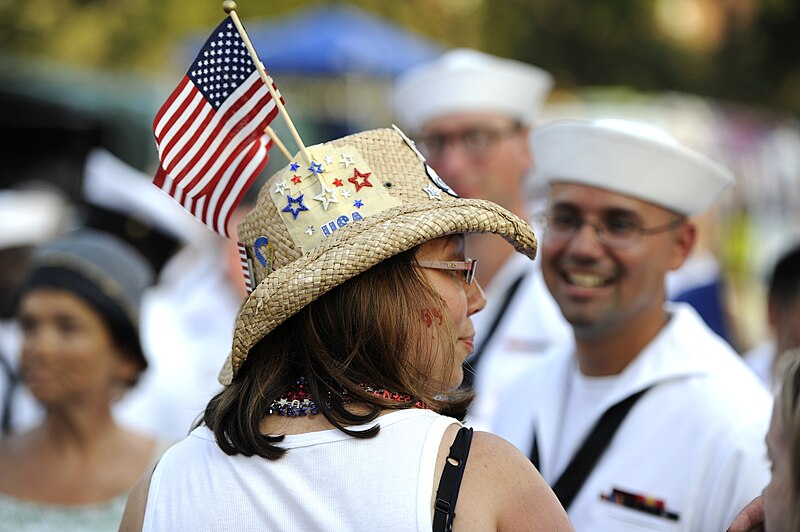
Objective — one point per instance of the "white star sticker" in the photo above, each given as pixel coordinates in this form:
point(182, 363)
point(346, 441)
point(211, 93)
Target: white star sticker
point(329, 159)
point(433, 192)
point(347, 160)
point(280, 187)
point(310, 230)
point(327, 196)
point(346, 193)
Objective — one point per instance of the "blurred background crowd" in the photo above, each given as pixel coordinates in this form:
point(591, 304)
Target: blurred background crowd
point(80, 83)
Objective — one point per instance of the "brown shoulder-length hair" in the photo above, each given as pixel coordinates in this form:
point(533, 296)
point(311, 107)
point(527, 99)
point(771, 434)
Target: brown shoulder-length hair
point(367, 331)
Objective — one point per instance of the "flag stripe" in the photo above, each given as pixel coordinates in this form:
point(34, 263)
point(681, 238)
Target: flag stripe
point(205, 145)
point(189, 135)
point(246, 172)
point(248, 279)
point(218, 150)
point(197, 111)
point(215, 164)
point(183, 91)
point(216, 208)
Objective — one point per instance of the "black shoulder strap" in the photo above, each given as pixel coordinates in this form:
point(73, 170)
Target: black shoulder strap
point(444, 510)
point(11, 384)
point(583, 462)
point(471, 365)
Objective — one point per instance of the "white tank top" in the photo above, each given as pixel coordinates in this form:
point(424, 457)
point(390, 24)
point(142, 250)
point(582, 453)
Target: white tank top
point(326, 481)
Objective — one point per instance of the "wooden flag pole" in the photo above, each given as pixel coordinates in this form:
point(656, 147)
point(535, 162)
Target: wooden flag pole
point(278, 143)
point(230, 7)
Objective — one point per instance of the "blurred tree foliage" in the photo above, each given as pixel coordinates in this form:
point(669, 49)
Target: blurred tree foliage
point(748, 54)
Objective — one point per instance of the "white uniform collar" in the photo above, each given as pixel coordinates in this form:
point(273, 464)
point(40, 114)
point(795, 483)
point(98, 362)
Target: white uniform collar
point(665, 358)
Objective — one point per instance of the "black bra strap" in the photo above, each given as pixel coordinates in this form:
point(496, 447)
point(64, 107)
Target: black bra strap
point(11, 383)
point(444, 510)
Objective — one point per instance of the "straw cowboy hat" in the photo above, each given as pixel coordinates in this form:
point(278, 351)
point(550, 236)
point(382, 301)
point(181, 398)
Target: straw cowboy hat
point(361, 199)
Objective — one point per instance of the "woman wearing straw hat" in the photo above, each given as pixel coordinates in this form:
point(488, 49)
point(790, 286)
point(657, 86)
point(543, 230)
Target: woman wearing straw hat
point(78, 313)
point(341, 400)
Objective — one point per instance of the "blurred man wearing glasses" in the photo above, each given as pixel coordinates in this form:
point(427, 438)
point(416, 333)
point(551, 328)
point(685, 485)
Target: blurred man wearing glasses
point(647, 421)
point(471, 114)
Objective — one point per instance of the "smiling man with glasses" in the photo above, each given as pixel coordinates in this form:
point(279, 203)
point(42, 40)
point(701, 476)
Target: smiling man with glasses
point(471, 115)
point(648, 420)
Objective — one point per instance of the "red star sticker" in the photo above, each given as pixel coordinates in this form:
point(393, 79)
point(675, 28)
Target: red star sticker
point(296, 180)
point(338, 182)
point(364, 183)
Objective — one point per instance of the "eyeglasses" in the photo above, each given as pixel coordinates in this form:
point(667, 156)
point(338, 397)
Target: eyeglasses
point(614, 232)
point(468, 266)
point(475, 142)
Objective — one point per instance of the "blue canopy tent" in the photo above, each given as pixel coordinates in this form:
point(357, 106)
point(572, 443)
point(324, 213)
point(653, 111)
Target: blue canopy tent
point(334, 40)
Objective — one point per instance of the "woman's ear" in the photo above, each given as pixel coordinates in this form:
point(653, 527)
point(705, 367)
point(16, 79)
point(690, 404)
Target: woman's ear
point(129, 367)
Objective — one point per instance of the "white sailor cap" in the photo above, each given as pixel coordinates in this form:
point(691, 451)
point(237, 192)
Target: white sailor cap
point(631, 158)
point(111, 184)
point(30, 217)
point(468, 80)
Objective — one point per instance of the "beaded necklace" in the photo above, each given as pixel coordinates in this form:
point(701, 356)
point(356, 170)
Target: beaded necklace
point(300, 402)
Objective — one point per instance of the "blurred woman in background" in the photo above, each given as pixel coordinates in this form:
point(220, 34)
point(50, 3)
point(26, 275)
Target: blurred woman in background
point(78, 311)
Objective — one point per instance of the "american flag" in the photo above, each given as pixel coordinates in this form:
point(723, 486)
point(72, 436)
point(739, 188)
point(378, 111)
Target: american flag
point(210, 131)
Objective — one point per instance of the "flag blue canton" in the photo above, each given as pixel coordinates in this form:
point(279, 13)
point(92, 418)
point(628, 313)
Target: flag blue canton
point(222, 64)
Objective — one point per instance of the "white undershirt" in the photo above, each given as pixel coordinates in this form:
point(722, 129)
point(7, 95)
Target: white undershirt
point(581, 411)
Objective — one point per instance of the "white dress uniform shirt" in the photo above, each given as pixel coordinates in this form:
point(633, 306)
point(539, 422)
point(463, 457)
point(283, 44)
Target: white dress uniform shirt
point(695, 440)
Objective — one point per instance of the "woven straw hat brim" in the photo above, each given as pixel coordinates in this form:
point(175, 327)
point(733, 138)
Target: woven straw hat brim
point(358, 247)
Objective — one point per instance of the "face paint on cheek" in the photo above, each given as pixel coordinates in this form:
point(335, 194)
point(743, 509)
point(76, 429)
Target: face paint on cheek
point(431, 315)
point(427, 317)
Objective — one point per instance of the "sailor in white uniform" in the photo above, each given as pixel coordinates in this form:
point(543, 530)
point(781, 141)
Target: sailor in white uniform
point(187, 318)
point(471, 114)
point(647, 420)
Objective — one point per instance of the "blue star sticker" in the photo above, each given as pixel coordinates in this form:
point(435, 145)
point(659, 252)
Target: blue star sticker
point(316, 168)
point(358, 203)
point(296, 210)
point(294, 166)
